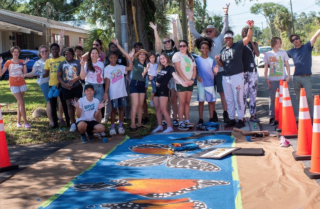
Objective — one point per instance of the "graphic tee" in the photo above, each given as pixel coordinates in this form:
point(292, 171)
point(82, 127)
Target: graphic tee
point(88, 109)
point(232, 59)
point(137, 70)
point(248, 56)
point(276, 61)
point(170, 52)
point(116, 75)
point(205, 70)
point(95, 77)
point(39, 66)
point(52, 65)
point(302, 59)
point(70, 70)
point(164, 76)
point(152, 70)
point(15, 73)
point(186, 64)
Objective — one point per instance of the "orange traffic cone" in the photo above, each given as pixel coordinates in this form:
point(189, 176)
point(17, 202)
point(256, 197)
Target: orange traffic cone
point(276, 106)
point(289, 125)
point(304, 130)
point(314, 171)
point(280, 105)
point(5, 164)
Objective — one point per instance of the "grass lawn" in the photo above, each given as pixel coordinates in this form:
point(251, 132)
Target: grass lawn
point(40, 131)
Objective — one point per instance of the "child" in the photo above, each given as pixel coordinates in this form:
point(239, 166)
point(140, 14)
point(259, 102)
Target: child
point(275, 59)
point(206, 71)
point(17, 68)
point(115, 83)
point(152, 73)
point(88, 110)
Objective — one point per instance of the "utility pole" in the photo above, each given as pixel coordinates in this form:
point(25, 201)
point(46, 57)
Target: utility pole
point(184, 20)
point(292, 16)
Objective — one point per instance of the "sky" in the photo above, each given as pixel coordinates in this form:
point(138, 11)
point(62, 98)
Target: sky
point(239, 14)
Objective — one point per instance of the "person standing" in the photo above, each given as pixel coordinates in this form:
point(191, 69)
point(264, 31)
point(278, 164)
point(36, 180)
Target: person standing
point(218, 38)
point(250, 75)
point(302, 59)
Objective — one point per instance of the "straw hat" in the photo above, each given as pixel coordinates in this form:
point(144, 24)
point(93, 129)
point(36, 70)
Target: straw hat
point(140, 51)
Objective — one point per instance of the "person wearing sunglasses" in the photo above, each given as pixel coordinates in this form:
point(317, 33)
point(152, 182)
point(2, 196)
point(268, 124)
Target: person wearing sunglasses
point(186, 68)
point(170, 49)
point(301, 55)
point(218, 39)
point(230, 58)
point(97, 43)
point(39, 71)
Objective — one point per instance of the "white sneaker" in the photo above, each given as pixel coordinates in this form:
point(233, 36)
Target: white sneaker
point(73, 127)
point(169, 129)
point(159, 128)
point(121, 130)
point(112, 131)
point(103, 134)
point(97, 135)
point(104, 120)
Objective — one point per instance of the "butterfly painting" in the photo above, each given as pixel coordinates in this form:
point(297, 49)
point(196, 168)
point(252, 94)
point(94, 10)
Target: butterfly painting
point(151, 188)
point(163, 154)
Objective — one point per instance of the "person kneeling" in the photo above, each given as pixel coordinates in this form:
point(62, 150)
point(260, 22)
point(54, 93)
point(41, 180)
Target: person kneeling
point(88, 109)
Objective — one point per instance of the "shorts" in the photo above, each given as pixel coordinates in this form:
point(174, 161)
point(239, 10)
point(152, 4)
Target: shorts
point(18, 89)
point(180, 88)
point(162, 92)
point(171, 84)
point(119, 102)
point(206, 94)
point(45, 90)
point(90, 125)
point(137, 87)
point(75, 92)
point(98, 91)
point(218, 82)
point(153, 84)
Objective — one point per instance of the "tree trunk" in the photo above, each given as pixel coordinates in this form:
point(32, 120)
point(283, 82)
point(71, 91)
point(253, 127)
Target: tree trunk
point(117, 17)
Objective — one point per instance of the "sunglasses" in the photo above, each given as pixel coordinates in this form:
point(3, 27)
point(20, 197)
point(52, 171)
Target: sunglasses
point(44, 51)
point(95, 45)
point(182, 46)
point(294, 39)
point(165, 42)
point(209, 31)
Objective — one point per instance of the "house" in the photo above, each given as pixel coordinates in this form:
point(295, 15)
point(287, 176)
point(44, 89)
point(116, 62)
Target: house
point(29, 32)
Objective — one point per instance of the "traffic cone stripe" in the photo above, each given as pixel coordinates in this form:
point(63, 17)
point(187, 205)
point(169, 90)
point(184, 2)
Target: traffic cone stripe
point(304, 109)
point(286, 103)
point(1, 127)
point(304, 115)
point(316, 128)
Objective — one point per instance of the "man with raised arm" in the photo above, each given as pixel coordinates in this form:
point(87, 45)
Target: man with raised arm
point(301, 55)
point(218, 39)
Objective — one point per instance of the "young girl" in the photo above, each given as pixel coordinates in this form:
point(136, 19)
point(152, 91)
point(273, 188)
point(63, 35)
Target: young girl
point(92, 73)
point(186, 69)
point(206, 70)
point(165, 73)
point(152, 73)
point(114, 75)
point(69, 78)
point(17, 83)
point(38, 70)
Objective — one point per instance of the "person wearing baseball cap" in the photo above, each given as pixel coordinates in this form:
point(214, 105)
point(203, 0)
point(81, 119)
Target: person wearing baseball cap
point(217, 38)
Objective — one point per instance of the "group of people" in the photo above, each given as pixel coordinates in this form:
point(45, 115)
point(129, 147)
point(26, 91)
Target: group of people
point(95, 87)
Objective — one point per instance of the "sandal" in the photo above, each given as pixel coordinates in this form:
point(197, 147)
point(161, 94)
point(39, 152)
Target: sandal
point(133, 129)
point(62, 122)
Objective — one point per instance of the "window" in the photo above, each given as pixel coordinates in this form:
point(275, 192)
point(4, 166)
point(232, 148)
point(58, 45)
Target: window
point(65, 41)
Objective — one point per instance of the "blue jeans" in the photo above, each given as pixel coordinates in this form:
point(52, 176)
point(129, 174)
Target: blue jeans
point(153, 84)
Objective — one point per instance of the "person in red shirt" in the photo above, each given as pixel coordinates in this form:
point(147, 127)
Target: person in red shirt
point(17, 68)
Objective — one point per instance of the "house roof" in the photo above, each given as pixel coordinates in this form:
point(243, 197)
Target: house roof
point(48, 23)
point(13, 27)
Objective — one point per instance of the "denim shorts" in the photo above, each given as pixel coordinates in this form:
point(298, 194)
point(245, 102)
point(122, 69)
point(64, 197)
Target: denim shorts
point(137, 87)
point(45, 90)
point(119, 102)
point(98, 91)
point(153, 84)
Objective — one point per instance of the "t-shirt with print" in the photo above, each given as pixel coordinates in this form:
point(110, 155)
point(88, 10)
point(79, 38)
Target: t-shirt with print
point(205, 70)
point(39, 66)
point(137, 70)
point(70, 70)
point(302, 59)
point(116, 75)
point(120, 61)
point(52, 65)
point(95, 77)
point(170, 52)
point(232, 59)
point(88, 109)
point(276, 61)
point(248, 56)
point(152, 70)
point(186, 64)
point(15, 72)
point(164, 76)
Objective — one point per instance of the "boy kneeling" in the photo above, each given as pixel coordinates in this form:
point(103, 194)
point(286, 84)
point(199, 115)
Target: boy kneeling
point(88, 109)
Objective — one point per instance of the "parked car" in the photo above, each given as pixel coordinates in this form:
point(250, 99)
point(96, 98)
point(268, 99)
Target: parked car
point(262, 50)
point(25, 53)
